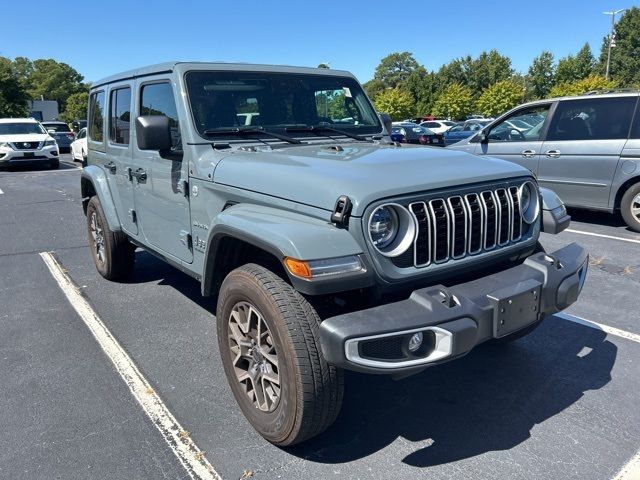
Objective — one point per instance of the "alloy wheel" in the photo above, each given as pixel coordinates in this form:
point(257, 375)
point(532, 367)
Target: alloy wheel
point(635, 206)
point(255, 360)
point(98, 238)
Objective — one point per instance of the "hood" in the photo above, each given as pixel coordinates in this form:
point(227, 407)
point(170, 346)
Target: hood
point(29, 137)
point(316, 175)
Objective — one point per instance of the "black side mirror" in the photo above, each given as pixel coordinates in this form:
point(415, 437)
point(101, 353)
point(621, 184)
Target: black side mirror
point(386, 121)
point(152, 132)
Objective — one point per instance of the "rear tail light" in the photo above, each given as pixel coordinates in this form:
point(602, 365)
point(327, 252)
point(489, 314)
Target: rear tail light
point(71, 136)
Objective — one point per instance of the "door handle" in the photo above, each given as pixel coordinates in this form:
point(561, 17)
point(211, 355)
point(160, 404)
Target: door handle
point(111, 167)
point(139, 174)
point(552, 153)
point(528, 153)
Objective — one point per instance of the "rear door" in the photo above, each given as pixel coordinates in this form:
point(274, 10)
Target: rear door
point(583, 147)
point(518, 137)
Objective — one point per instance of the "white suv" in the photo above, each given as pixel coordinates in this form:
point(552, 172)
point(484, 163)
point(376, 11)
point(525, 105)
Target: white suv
point(24, 140)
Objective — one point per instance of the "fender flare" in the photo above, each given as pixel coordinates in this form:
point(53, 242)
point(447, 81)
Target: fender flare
point(279, 232)
point(97, 178)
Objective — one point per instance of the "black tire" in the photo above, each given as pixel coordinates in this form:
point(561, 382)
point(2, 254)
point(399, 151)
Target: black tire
point(311, 391)
point(627, 204)
point(54, 164)
point(118, 254)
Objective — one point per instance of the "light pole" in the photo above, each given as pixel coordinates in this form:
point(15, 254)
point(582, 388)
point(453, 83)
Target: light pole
point(613, 14)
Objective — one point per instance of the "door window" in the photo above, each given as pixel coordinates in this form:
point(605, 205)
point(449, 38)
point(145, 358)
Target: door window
point(96, 117)
point(523, 126)
point(120, 116)
point(158, 99)
point(635, 129)
point(592, 119)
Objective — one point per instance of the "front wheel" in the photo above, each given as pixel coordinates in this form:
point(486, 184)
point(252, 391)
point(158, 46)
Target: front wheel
point(630, 207)
point(268, 336)
point(113, 254)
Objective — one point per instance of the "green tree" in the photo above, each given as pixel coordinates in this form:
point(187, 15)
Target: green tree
point(541, 76)
point(13, 96)
point(394, 69)
point(625, 56)
point(421, 85)
point(572, 68)
point(488, 69)
point(455, 102)
point(396, 102)
point(589, 84)
point(76, 107)
point(499, 98)
point(53, 81)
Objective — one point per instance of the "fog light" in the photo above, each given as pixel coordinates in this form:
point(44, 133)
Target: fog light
point(415, 341)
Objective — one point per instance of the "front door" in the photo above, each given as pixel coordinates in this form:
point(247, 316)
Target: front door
point(518, 138)
point(162, 204)
point(583, 147)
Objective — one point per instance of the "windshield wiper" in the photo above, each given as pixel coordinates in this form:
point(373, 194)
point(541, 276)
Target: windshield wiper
point(249, 131)
point(325, 128)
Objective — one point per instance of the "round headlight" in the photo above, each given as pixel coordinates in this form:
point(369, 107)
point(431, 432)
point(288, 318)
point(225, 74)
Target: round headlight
point(383, 226)
point(391, 229)
point(529, 202)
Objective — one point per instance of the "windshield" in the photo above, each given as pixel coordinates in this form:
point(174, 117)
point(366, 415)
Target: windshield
point(20, 128)
point(275, 101)
point(58, 127)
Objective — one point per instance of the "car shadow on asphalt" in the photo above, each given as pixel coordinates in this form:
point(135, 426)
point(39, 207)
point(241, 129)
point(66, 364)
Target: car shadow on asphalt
point(489, 400)
point(597, 218)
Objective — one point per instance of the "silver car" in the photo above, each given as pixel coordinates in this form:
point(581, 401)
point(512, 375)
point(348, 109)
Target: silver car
point(586, 148)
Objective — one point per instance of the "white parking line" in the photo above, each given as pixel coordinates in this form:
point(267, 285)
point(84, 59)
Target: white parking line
point(185, 449)
point(631, 471)
point(1, 192)
point(634, 337)
point(630, 240)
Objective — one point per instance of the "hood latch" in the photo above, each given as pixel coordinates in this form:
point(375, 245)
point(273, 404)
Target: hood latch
point(341, 212)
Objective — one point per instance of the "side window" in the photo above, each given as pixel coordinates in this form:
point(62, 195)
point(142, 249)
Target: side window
point(635, 128)
point(96, 117)
point(120, 116)
point(592, 119)
point(158, 99)
point(523, 126)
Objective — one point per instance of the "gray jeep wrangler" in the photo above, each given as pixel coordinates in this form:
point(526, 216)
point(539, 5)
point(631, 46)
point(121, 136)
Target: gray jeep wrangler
point(327, 246)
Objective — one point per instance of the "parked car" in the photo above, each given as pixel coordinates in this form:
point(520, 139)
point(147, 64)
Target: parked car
point(25, 141)
point(438, 126)
point(79, 146)
point(407, 132)
point(464, 130)
point(62, 133)
point(584, 147)
point(327, 247)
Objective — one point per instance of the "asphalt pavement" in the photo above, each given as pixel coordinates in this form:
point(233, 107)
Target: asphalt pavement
point(559, 403)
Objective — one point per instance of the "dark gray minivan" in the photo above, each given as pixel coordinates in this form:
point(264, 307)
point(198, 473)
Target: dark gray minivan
point(585, 148)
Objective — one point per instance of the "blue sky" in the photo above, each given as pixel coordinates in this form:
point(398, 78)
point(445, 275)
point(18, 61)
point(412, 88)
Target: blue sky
point(99, 38)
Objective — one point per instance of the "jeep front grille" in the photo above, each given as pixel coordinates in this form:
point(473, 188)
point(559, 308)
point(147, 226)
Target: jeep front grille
point(453, 227)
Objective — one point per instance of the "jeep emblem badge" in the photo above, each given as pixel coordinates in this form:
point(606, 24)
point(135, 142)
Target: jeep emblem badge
point(194, 191)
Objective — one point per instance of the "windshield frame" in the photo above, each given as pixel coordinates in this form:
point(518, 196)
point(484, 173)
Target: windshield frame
point(377, 128)
point(36, 124)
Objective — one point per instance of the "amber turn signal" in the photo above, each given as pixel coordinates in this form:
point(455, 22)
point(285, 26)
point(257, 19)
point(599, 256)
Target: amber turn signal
point(298, 267)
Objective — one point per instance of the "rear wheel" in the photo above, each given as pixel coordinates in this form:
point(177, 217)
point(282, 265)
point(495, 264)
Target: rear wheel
point(113, 254)
point(269, 343)
point(630, 207)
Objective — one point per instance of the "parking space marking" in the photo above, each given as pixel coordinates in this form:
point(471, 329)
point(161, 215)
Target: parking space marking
point(631, 471)
point(185, 449)
point(630, 240)
point(1, 192)
point(634, 337)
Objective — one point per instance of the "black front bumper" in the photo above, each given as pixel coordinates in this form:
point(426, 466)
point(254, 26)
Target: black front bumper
point(452, 320)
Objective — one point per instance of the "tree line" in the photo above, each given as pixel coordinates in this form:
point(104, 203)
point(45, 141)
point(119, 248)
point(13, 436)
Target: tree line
point(23, 79)
point(489, 85)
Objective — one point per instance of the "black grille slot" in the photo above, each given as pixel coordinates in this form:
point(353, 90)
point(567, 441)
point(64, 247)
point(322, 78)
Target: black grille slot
point(459, 223)
point(517, 216)
point(422, 250)
point(26, 145)
point(440, 230)
point(475, 223)
point(387, 348)
point(505, 215)
point(491, 226)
